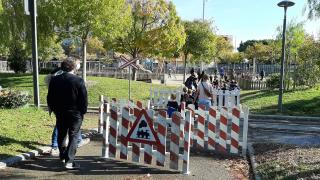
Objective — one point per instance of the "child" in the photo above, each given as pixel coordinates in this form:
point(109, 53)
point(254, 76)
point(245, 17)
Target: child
point(172, 105)
point(190, 98)
point(184, 95)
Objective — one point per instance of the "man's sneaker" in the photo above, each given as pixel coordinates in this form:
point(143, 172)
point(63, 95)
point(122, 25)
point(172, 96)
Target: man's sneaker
point(73, 165)
point(54, 151)
point(83, 142)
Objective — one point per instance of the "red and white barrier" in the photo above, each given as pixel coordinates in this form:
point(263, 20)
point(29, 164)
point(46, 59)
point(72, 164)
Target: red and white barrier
point(162, 132)
point(235, 130)
point(186, 144)
point(124, 133)
point(113, 132)
point(174, 143)
point(201, 122)
point(219, 139)
point(212, 124)
point(148, 147)
point(223, 130)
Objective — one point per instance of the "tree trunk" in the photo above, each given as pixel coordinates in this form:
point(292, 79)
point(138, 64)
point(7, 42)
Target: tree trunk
point(185, 67)
point(84, 60)
point(134, 71)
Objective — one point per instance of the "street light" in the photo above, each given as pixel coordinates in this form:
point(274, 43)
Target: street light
point(285, 4)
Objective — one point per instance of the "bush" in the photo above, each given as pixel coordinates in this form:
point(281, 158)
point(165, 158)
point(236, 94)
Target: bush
point(46, 70)
point(13, 99)
point(18, 59)
point(274, 80)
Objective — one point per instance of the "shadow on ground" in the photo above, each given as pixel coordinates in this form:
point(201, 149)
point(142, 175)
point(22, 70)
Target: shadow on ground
point(4, 141)
point(90, 165)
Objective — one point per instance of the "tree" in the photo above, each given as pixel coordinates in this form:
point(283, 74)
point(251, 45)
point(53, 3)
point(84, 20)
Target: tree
point(155, 30)
point(49, 49)
point(308, 59)
point(17, 58)
point(258, 51)
point(95, 18)
point(15, 27)
point(295, 36)
point(200, 42)
point(244, 45)
point(224, 48)
point(313, 8)
point(95, 46)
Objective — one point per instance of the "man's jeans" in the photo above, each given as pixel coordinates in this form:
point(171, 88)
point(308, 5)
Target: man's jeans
point(54, 140)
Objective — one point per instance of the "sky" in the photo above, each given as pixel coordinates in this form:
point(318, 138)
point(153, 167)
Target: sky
point(246, 19)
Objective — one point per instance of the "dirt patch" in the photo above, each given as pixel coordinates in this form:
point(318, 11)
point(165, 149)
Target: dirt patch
point(277, 161)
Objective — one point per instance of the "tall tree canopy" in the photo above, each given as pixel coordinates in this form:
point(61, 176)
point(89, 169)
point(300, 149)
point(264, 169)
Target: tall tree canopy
point(84, 19)
point(295, 36)
point(313, 8)
point(155, 29)
point(224, 48)
point(200, 42)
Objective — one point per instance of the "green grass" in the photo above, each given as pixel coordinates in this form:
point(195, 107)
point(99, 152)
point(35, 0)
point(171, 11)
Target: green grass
point(114, 88)
point(297, 103)
point(26, 129)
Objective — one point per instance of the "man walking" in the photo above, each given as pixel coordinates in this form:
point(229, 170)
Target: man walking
point(67, 98)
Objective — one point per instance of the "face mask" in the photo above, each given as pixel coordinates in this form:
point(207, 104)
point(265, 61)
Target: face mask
point(78, 67)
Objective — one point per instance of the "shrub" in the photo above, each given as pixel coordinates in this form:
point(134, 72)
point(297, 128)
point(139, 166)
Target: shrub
point(18, 59)
point(46, 70)
point(13, 99)
point(274, 80)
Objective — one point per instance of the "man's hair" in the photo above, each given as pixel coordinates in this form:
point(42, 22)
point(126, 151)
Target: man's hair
point(68, 65)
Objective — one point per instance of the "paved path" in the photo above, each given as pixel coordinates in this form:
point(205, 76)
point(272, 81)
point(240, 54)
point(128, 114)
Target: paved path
point(298, 132)
point(175, 80)
point(93, 167)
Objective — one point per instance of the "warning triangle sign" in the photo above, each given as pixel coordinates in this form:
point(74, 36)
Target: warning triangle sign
point(142, 130)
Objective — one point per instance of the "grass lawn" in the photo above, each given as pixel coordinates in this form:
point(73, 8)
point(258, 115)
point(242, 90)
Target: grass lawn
point(297, 103)
point(115, 88)
point(25, 129)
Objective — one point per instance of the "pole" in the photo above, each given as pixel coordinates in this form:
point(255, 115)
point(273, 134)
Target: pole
point(203, 7)
point(33, 12)
point(283, 58)
point(129, 83)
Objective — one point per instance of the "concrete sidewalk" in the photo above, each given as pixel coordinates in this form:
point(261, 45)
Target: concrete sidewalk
point(93, 167)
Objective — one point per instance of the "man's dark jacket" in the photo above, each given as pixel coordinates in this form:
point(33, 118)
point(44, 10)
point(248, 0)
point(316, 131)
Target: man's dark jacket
point(67, 92)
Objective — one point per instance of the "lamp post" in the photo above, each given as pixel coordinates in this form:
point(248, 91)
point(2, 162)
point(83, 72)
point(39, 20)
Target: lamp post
point(285, 4)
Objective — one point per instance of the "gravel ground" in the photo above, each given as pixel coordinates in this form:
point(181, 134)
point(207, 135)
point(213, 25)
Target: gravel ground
point(276, 161)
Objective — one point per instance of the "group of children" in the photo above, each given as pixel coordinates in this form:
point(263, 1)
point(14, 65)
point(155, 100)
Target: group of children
point(173, 104)
point(190, 96)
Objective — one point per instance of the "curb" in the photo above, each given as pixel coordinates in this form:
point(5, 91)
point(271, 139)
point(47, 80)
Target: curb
point(279, 117)
point(34, 153)
point(253, 162)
